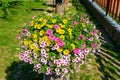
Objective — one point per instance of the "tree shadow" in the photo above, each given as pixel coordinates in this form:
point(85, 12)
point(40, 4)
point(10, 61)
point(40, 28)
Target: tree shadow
point(108, 57)
point(22, 71)
point(33, 9)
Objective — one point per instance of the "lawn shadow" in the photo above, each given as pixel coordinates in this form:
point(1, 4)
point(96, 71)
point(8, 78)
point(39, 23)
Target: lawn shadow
point(33, 9)
point(108, 58)
point(22, 71)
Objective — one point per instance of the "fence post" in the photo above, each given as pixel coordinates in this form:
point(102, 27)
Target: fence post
point(107, 7)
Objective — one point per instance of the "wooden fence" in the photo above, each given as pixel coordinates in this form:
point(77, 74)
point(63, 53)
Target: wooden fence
point(111, 6)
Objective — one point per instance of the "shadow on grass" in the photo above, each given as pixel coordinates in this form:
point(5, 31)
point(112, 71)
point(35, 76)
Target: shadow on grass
point(109, 56)
point(49, 11)
point(22, 71)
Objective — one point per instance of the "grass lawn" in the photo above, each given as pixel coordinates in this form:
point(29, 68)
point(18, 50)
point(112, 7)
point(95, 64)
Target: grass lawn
point(10, 28)
point(98, 67)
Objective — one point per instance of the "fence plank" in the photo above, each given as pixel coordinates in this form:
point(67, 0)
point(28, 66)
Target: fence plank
point(111, 6)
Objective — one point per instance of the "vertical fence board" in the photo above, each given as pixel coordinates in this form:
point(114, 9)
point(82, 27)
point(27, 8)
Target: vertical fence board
point(113, 7)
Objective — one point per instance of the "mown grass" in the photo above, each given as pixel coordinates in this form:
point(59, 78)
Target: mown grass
point(10, 28)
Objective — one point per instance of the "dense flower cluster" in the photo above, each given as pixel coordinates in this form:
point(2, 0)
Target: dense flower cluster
point(57, 45)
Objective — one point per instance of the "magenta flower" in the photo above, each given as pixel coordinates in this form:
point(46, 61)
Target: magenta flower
point(93, 45)
point(61, 43)
point(95, 32)
point(76, 50)
point(90, 39)
point(49, 32)
point(25, 30)
point(75, 23)
point(80, 37)
point(21, 34)
point(82, 19)
point(56, 26)
point(83, 46)
point(57, 39)
point(52, 37)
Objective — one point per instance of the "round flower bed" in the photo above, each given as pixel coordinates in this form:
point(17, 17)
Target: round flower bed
point(57, 45)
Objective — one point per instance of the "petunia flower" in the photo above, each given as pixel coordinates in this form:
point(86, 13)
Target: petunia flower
point(28, 34)
point(43, 51)
point(61, 43)
point(52, 37)
point(57, 39)
point(90, 39)
point(95, 32)
point(76, 50)
point(49, 32)
point(83, 46)
point(93, 45)
point(56, 26)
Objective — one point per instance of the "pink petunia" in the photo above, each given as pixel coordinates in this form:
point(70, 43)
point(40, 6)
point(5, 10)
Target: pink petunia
point(56, 26)
point(58, 65)
point(64, 70)
point(95, 32)
point(57, 69)
point(25, 30)
point(75, 23)
point(76, 50)
point(83, 46)
point(35, 55)
point(90, 39)
point(61, 43)
point(52, 37)
point(43, 51)
point(87, 22)
point(82, 19)
point(49, 32)
point(42, 44)
point(80, 37)
point(93, 45)
point(57, 39)
point(86, 51)
point(56, 47)
point(28, 34)
point(38, 66)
